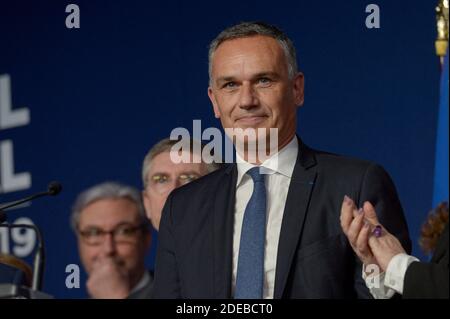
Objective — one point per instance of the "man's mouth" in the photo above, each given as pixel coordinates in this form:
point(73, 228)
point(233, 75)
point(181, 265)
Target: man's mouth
point(251, 120)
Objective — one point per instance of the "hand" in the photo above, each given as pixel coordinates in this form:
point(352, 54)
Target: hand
point(385, 247)
point(357, 227)
point(108, 280)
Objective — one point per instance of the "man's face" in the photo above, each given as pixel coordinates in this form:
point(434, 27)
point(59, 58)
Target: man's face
point(164, 176)
point(250, 86)
point(130, 244)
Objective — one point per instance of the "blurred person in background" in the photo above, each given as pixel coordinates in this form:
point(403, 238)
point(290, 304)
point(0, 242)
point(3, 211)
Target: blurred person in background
point(113, 238)
point(161, 175)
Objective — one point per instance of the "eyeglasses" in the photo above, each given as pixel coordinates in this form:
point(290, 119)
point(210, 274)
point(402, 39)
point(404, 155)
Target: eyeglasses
point(121, 234)
point(162, 183)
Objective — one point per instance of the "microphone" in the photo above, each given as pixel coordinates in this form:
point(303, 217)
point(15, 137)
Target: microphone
point(53, 189)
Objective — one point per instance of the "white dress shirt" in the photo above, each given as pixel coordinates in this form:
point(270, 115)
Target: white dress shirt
point(279, 169)
point(385, 285)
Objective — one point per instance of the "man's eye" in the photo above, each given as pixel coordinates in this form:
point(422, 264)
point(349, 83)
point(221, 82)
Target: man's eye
point(264, 81)
point(92, 232)
point(159, 179)
point(125, 231)
point(188, 178)
point(229, 85)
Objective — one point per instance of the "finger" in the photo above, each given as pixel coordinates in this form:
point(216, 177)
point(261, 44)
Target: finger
point(346, 213)
point(355, 211)
point(97, 262)
point(362, 242)
point(355, 228)
point(352, 206)
point(104, 262)
point(370, 214)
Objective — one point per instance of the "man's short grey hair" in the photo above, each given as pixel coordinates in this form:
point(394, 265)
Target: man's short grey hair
point(107, 190)
point(165, 145)
point(249, 29)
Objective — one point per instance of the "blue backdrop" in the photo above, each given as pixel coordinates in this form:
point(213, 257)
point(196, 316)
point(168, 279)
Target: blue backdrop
point(98, 97)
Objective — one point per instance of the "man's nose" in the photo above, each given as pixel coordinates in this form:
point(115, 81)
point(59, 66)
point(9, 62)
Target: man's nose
point(109, 245)
point(247, 98)
point(175, 183)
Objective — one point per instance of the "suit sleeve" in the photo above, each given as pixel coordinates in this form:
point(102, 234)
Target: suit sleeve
point(377, 187)
point(426, 280)
point(167, 283)
point(429, 280)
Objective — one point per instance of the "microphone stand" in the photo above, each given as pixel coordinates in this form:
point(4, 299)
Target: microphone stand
point(54, 188)
point(39, 257)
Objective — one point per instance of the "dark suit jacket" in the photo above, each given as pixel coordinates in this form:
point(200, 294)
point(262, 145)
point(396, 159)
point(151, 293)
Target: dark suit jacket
point(315, 260)
point(429, 280)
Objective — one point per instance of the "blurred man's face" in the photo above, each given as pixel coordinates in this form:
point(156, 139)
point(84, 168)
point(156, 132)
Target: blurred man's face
point(250, 86)
point(97, 244)
point(164, 176)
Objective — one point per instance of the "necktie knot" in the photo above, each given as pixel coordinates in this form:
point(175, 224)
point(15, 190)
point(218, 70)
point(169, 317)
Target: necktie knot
point(255, 174)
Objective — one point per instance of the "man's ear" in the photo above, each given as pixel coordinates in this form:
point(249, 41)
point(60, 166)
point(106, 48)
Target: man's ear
point(147, 205)
point(299, 89)
point(212, 98)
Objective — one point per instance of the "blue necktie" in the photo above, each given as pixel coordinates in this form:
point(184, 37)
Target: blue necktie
point(250, 269)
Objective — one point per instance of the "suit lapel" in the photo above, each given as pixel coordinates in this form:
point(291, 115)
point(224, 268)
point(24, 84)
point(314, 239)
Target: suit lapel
point(300, 188)
point(223, 232)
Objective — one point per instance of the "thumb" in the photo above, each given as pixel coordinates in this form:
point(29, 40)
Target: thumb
point(370, 214)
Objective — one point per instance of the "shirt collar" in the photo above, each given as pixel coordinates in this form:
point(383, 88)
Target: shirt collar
point(283, 162)
point(142, 283)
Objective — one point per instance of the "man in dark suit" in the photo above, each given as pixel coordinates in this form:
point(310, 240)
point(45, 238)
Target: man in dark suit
point(266, 226)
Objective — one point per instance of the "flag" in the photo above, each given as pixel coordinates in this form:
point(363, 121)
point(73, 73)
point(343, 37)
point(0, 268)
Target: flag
point(440, 189)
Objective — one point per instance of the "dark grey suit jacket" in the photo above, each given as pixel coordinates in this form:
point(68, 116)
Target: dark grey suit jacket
point(315, 260)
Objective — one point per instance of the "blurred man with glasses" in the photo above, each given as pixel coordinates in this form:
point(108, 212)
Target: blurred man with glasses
point(161, 175)
point(113, 239)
